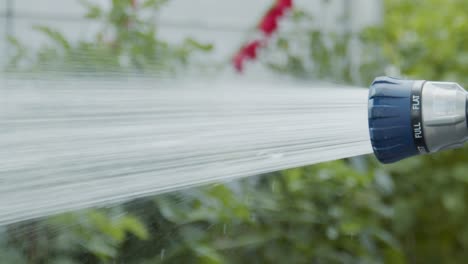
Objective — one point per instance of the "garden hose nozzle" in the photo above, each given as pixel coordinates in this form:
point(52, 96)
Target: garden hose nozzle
point(411, 117)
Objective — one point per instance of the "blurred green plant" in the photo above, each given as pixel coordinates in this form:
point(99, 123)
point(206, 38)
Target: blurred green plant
point(319, 214)
point(127, 41)
point(92, 235)
point(309, 52)
point(424, 39)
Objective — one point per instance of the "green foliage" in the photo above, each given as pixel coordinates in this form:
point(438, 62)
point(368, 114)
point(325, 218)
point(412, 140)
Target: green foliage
point(95, 235)
point(327, 213)
point(128, 41)
point(309, 52)
point(431, 207)
point(98, 233)
point(425, 39)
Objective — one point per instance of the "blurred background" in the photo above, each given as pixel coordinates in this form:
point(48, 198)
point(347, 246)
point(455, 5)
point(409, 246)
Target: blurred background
point(346, 211)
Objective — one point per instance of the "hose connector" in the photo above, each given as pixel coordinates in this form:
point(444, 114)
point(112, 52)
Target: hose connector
point(408, 117)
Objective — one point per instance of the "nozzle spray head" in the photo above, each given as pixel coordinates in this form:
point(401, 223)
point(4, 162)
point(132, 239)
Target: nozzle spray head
point(408, 117)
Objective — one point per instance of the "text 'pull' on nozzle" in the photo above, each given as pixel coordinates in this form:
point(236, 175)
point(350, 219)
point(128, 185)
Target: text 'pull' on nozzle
point(408, 117)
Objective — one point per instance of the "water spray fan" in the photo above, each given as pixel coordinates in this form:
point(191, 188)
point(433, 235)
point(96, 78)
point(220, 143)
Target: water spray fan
point(412, 117)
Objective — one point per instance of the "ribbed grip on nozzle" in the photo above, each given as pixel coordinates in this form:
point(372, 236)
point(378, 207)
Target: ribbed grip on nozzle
point(390, 124)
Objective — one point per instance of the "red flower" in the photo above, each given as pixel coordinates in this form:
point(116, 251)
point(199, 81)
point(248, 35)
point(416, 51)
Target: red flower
point(268, 26)
point(238, 62)
point(284, 4)
point(269, 23)
point(249, 51)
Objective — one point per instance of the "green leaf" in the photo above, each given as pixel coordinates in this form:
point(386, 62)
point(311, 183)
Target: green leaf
point(135, 227)
point(154, 3)
point(104, 224)
point(94, 11)
point(208, 255)
point(101, 248)
point(55, 36)
point(191, 43)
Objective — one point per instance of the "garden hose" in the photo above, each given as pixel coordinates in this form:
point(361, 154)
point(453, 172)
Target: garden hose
point(412, 117)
